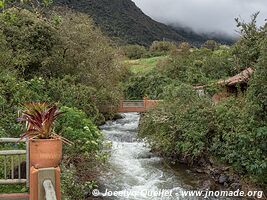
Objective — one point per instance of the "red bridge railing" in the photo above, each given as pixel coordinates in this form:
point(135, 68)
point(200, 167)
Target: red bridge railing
point(137, 105)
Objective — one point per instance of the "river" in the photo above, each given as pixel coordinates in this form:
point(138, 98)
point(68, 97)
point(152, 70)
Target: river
point(135, 169)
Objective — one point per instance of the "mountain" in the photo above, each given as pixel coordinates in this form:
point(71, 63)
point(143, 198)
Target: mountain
point(124, 22)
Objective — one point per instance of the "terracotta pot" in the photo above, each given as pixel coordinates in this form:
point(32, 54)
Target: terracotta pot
point(45, 153)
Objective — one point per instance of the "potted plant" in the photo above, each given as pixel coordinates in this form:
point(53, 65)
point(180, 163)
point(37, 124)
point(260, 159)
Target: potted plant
point(45, 146)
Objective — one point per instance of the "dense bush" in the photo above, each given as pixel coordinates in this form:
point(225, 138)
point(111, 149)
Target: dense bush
point(190, 128)
point(64, 60)
point(150, 85)
point(135, 51)
point(13, 92)
point(81, 157)
point(182, 126)
point(79, 129)
point(210, 44)
point(72, 188)
point(247, 49)
point(76, 68)
point(239, 141)
point(159, 48)
point(30, 41)
point(196, 67)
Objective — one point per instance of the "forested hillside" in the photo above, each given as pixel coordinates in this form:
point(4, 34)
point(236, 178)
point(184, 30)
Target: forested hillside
point(127, 24)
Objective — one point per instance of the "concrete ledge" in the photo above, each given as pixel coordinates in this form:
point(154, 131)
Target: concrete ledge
point(18, 196)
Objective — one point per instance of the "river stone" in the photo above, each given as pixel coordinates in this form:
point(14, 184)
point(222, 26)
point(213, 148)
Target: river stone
point(117, 116)
point(235, 186)
point(223, 178)
point(209, 185)
point(206, 185)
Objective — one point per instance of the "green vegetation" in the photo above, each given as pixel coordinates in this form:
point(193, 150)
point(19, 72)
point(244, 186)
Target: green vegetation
point(59, 58)
point(144, 65)
point(135, 51)
point(62, 57)
point(82, 157)
point(78, 128)
point(193, 66)
point(190, 128)
point(161, 47)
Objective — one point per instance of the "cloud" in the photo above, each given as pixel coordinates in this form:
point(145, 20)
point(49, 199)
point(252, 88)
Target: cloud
point(204, 15)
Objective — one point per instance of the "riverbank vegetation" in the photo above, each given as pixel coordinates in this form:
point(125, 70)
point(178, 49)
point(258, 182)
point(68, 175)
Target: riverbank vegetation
point(60, 57)
point(191, 128)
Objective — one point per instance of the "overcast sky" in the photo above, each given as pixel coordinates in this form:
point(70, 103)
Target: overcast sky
point(204, 15)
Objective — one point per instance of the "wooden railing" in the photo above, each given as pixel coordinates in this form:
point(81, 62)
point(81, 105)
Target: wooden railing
point(12, 174)
point(12, 158)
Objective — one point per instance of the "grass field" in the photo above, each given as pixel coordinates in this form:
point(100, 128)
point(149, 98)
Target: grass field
point(143, 65)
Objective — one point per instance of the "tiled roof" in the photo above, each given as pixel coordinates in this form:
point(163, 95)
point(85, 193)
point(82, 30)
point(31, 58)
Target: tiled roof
point(239, 78)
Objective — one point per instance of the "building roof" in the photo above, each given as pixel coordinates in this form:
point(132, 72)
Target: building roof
point(239, 78)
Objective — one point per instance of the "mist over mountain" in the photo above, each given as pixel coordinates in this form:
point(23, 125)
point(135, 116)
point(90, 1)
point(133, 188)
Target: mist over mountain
point(125, 23)
point(204, 16)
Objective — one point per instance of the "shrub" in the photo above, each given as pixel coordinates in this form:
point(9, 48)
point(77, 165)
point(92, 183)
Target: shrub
point(59, 63)
point(150, 85)
point(158, 48)
point(72, 187)
point(135, 51)
point(186, 127)
point(79, 129)
point(13, 92)
point(247, 49)
point(182, 126)
point(239, 140)
point(30, 40)
point(210, 44)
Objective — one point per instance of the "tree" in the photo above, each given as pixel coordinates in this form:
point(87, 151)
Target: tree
point(134, 51)
point(257, 91)
point(35, 4)
point(162, 47)
point(247, 49)
point(210, 44)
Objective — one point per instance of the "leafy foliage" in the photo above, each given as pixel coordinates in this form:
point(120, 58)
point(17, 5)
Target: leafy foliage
point(56, 57)
point(149, 84)
point(210, 44)
point(64, 60)
point(247, 49)
point(72, 188)
point(135, 51)
point(196, 67)
point(78, 128)
point(82, 157)
point(182, 125)
point(161, 47)
point(190, 128)
point(40, 119)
